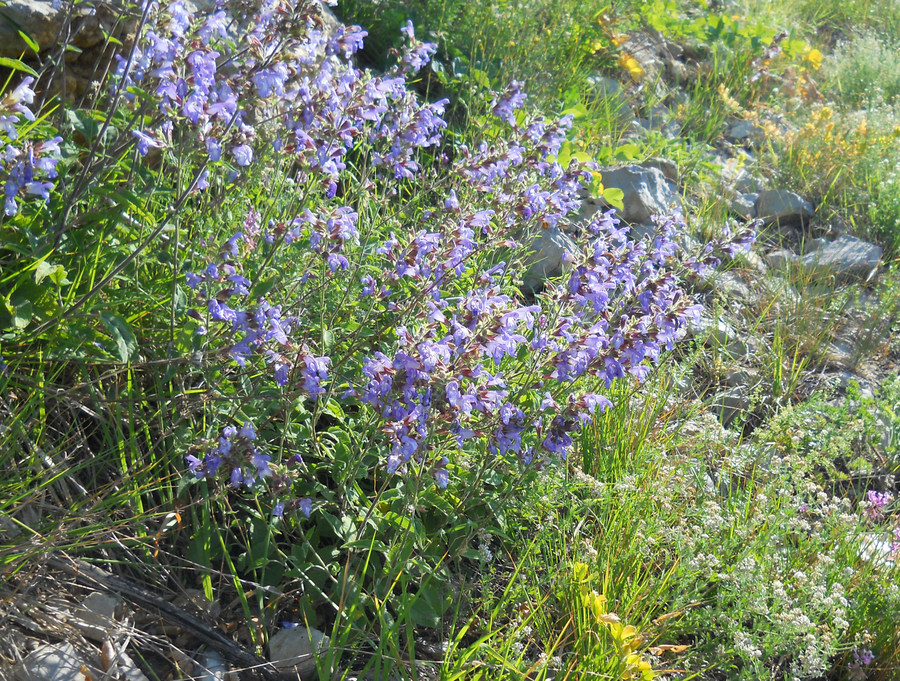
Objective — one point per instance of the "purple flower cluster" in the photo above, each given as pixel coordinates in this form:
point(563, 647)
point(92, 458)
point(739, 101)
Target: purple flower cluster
point(862, 659)
point(461, 359)
point(237, 454)
point(29, 167)
point(259, 327)
point(877, 503)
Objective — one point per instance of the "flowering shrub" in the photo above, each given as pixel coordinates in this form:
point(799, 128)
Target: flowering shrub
point(429, 344)
point(461, 359)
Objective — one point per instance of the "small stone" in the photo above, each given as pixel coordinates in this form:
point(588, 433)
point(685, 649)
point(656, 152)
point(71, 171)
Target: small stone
point(876, 549)
point(296, 649)
point(845, 378)
point(96, 615)
point(781, 258)
point(55, 662)
point(744, 205)
point(755, 261)
point(735, 175)
point(847, 258)
point(783, 207)
point(740, 377)
point(129, 670)
point(731, 404)
point(731, 287)
point(211, 667)
point(748, 133)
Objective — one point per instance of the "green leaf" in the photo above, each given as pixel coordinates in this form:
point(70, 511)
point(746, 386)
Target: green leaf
point(627, 152)
point(429, 604)
point(42, 271)
point(21, 313)
point(565, 154)
point(17, 65)
point(481, 78)
point(88, 124)
point(57, 273)
point(615, 197)
point(121, 332)
point(58, 276)
point(30, 41)
point(577, 111)
point(582, 157)
point(179, 300)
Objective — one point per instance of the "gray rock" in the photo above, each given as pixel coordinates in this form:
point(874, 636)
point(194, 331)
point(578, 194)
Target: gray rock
point(647, 192)
point(36, 18)
point(128, 670)
point(731, 404)
point(736, 378)
point(811, 245)
point(54, 662)
point(96, 615)
point(548, 252)
point(846, 258)
point(755, 261)
point(735, 175)
point(783, 207)
point(748, 133)
point(666, 166)
point(781, 258)
point(877, 549)
point(718, 335)
point(732, 287)
point(744, 205)
point(845, 378)
point(295, 650)
point(211, 667)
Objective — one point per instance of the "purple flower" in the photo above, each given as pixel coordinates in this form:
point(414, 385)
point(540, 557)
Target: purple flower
point(144, 142)
point(243, 155)
point(213, 149)
point(315, 370)
point(505, 106)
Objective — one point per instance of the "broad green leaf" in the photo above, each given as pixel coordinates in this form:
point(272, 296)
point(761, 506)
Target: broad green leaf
point(21, 313)
point(430, 603)
point(615, 197)
point(179, 300)
point(88, 124)
point(577, 111)
point(582, 157)
point(627, 152)
point(17, 65)
point(58, 276)
point(42, 271)
point(121, 332)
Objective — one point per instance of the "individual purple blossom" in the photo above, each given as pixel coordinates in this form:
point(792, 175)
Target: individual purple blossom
point(145, 142)
point(243, 155)
point(315, 370)
point(505, 106)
